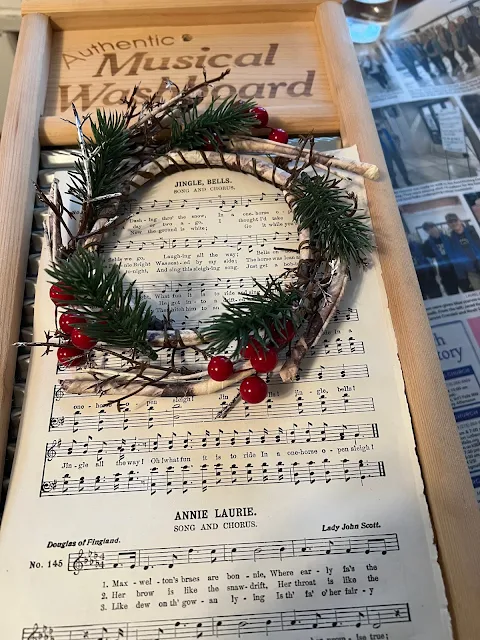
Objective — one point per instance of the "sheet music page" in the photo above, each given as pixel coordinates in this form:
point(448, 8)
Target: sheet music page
point(301, 517)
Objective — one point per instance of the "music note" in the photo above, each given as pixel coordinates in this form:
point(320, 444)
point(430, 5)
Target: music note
point(128, 558)
point(326, 471)
point(76, 422)
point(378, 622)
point(359, 622)
point(66, 478)
point(241, 625)
point(168, 473)
point(372, 544)
point(360, 467)
point(308, 432)
point(264, 472)
point(335, 622)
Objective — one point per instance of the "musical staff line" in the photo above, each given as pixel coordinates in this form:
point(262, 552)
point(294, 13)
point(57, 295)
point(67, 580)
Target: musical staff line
point(188, 357)
point(240, 242)
point(186, 477)
point(238, 625)
point(86, 560)
point(209, 440)
point(179, 414)
point(219, 202)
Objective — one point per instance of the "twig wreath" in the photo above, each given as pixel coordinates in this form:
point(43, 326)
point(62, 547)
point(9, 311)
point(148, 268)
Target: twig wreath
point(100, 312)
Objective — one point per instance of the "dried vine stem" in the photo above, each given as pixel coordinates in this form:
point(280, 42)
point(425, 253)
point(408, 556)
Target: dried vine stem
point(184, 160)
point(170, 390)
point(175, 339)
point(250, 144)
point(167, 106)
point(317, 323)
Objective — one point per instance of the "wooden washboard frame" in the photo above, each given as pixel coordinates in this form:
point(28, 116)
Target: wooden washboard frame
point(317, 30)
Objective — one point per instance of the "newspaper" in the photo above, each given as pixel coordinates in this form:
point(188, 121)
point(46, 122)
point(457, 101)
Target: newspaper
point(423, 82)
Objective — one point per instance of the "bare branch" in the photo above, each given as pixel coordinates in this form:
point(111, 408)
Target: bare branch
point(54, 208)
point(171, 103)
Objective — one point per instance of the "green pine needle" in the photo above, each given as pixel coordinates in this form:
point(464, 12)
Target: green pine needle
point(228, 118)
point(252, 317)
point(330, 214)
point(109, 150)
point(116, 315)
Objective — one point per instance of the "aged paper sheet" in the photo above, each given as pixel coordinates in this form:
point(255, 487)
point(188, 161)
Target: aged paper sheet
point(303, 516)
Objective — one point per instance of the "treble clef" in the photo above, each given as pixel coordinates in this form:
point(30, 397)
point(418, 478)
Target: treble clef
point(51, 453)
point(59, 392)
point(33, 634)
point(77, 565)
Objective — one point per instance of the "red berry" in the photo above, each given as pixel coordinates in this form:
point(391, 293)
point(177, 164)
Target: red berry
point(70, 356)
point(278, 135)
point(252, 347)
point(264, 361)
point(253, 390)
point(220, 368)
point(81, 340)
point(59, 293)
point(67, 321)
point(285, 335)
point(261, 115)
point(209, 146)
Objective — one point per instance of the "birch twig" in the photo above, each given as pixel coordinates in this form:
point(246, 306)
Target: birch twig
point(172, 390)
point(250, 144)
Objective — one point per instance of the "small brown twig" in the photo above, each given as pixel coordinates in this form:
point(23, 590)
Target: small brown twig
point(228, 407)
point(166, 106)
point(53, 208)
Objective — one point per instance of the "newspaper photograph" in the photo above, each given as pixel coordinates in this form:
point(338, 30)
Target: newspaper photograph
point(423, 83)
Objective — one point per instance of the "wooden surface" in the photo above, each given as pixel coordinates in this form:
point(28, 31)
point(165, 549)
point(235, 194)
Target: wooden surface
point(78, 14)
point(99, 68)
point(453, 508)
point(8, 43)
point(19, 154)
point(452, 503)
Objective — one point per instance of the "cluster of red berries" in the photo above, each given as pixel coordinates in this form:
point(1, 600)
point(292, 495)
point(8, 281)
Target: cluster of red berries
point(262, 359)
point(261, 114)
point(73, 353)
point(277, 135)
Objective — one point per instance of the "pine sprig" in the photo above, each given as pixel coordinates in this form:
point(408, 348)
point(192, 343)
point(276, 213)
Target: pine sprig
point(108, 153)
point(116, 315)
point(256, 315)
point(336, 230)
point(192, 130)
